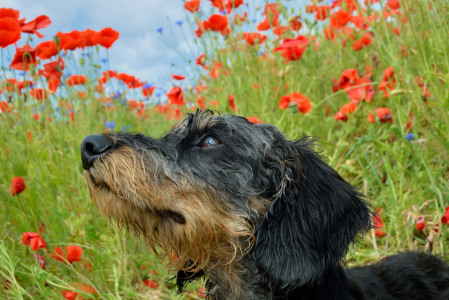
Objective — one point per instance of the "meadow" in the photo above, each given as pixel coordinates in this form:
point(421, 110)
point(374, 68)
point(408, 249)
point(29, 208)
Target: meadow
point(368, 78)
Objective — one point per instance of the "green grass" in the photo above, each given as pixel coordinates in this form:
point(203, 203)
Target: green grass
point(398, 176)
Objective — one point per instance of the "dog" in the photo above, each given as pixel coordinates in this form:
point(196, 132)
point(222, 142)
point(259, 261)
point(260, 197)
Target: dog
point(260, 216)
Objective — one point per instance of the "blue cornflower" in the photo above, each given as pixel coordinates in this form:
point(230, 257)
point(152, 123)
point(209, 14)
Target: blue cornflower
point(147, 85)
point(104, 60)
point(110, 125)
point(410, 136)
point(179, 23)
point(160, 29)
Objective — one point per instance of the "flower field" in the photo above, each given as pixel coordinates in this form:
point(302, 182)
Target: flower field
point(369, 78)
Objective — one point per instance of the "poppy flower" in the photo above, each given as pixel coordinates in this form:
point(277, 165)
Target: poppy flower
point(4, 107)
point(254, 37)
point(40, 260)
point(293, 49)
point(254, 120)
point(393, 4)
point(72, 253)
point(445, 217)
point(23, 58)
point(10, 31)
point(147, 91)
point(388, 81)
point(378, 224)
point(271, 13)
point(70, 40)
point(17, 186)
point(76, 79)
point(339, 19)
point(39, 94)
point(72, 295)
point(218, 4)
point(151, 283)
point(106, 37)
point(302, 102)
point(40, 22)
point(9, 12)
point(201, 60)
point(217, 23)
point(215, 69)
point(280, 30)
point(33, 240)
point(421, 223)
point(46, 50)
point(231, 101)
point(178, 77)
point(176, 96)
point(295, 23)
point(384, 115)
point(340, 116)
point(192, 6)
point(230, 4)
point(321, 11)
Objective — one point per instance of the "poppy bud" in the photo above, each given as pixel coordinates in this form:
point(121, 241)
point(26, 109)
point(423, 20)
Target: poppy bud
point(293, 107)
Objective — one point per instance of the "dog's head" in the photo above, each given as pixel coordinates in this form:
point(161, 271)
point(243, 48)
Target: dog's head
point(219, 188)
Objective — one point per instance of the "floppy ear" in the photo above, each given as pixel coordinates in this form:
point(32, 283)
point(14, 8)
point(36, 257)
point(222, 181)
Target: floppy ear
point(312, 221)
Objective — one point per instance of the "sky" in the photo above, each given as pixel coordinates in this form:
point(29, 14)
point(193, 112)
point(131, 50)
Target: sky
point(141, 50)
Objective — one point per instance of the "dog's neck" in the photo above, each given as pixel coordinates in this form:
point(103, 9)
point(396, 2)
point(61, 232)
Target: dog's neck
point(243, 281)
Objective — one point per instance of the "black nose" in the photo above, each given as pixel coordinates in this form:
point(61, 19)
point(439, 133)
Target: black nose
point(92, 147)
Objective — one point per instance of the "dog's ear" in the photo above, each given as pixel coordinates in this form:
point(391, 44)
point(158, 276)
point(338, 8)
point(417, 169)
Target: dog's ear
point(314, 217)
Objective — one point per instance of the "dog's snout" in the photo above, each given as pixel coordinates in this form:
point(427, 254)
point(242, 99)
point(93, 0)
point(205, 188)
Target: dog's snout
point(92, 147)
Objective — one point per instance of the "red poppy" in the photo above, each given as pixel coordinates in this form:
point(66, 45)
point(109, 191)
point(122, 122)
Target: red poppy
point(388, 81)
point(70, 40)
point(218, 4)
point(216, 67)
point(231, 101)
point(72, 295)
point(178, 77)
point(254, 37)
point(106, 37)
point(23, 58)
point(40, 260)
point(217, 23)
point(4, 107)
point(339, 116)
point(378, 224)
point(280, 30)
point(73, 253)
point(349, 108)
point(230, 4)
point(384, 115)
point(271, 13)
point(17, 186)
point(192, 6)
point(321, 11)
point(301, 101)
point(89, 37)
point(39, 94)
point(151, 283)
point(201, 60)
point(10, 31)
point(76, 79)
point(393, 4)
point(421, 223)
point(254, 120)
point(38, 23)
point(445, 217)
point(33, 240)
point(176, 96)
point(295, 23)
point(148, 91)
point(339, 19)
point(46, 50)
point(293, 49)
point(9, 12)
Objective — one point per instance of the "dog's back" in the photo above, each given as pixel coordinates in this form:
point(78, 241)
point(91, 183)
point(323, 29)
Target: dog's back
point(408, 275)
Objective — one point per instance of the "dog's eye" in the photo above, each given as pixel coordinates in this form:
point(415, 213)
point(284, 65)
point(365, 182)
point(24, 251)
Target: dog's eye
point(209, 141)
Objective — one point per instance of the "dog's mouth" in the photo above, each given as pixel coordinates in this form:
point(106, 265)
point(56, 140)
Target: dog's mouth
point(100, 185)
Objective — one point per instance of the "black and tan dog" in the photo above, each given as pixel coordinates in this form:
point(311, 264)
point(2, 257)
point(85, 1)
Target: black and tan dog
point(260, 216)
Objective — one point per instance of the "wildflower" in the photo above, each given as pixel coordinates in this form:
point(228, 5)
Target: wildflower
point(271, 13)
point(295, 23)
point(293, 49)
point(178, 77)
point(301, 101)
point(109, 125)
point(445, 217)
point(192, 6)
point(217, 23)
point(176, 96)
point(179, 23)
point(421, 223)
point(17, 186)
point(151, 283)
point(40, 260)
point(76, 79)
point(231, 101)
point(388, 81)
point(254, 120)
point(339, 19)
point(33, 240)
point(160, 29)
point(46, 50)
point(40, 22)
point(23, 58)
point(410, 136)
point(72, 253)
point(147, 90)
point(340, 116)
point(378, 224)
point(10, 31)
point(4, 107)
point(72, 295)
point(254, 37)
point(393, 4)
point(106, 37)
